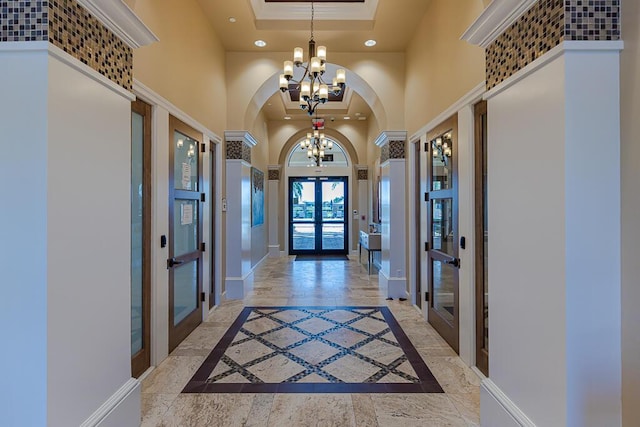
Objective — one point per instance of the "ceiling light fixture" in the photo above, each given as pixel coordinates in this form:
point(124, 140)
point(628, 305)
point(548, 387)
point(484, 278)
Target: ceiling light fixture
point(313, 89)
point(441, 147)
point(287, 117)
point(232, 19)
point(315, 143)
point(370, 43)
point(260, 43)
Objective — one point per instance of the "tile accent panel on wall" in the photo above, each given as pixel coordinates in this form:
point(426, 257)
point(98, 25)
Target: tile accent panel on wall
point(274, 175)
point(69, 26)
point(363, 174)
point(543, 27)
point(238, 150)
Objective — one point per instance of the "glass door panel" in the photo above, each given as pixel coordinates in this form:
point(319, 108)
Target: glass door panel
point(482, 239)
point(140, 237)
point(317, 223)
point(442, 220)
point(185, 255)
point(185, 291)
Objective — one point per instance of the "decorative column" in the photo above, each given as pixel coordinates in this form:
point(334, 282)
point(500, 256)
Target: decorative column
point(393, 269)
point(65, 89)
point(363, 197)
point(238, 215)
point(274, 217)
point(554, 237)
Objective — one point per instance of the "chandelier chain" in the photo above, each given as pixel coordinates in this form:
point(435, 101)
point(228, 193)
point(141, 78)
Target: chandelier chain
point(312, 15)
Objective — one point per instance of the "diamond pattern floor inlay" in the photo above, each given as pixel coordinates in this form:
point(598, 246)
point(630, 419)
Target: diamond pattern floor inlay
point(314, 350)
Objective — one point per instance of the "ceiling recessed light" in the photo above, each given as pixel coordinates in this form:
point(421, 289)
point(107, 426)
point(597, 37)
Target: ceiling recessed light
point(370, 43)
point(362, 118)
point(260, 43)
point(358, 114)
point(287, 117)
point(232, 19)
point(347, 118)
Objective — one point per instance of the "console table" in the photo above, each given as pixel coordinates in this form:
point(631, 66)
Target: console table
point(371, 242)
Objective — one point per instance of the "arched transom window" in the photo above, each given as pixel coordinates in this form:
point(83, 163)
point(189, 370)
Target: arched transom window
point(336, 157)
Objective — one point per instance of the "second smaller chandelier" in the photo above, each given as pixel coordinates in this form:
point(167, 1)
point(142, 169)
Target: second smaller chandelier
point(316, 144)
point(312, 87)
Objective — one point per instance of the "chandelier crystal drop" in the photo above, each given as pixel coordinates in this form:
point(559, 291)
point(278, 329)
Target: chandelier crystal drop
point(312, 87)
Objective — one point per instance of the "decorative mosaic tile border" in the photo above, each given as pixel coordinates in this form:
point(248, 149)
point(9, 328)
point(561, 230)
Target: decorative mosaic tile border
point(24, 20)
point(363, 174)
point(384, 153)
point(67, 25)
point(543, 27)
point(238, 150)
point(204, 381)
point(274, 175)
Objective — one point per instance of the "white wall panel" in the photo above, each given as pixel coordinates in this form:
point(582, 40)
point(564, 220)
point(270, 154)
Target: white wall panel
point(23, 243)
point(88, 244)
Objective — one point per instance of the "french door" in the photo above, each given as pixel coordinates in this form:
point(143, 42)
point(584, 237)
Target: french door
point(317, 215)
point(185, 232)
point(482, 239)
point(442, 223)
point(140, 237)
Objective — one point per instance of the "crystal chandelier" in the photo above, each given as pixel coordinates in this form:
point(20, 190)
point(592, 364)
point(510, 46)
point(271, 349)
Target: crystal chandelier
point(311, 86)
point(441, 147)
point(316, 144)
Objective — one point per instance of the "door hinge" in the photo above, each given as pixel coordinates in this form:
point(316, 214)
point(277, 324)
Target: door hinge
point(202, 296)
point(426, 196)
point(426, 147)
point(203, 147)
point(426, 246)
point(426, 296)
point(202, 247)
point(202, 198)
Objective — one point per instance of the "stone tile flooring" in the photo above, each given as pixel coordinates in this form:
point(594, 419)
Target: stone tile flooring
point(281, 283)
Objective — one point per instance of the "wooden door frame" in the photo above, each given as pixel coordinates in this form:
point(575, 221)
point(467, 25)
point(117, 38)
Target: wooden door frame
point(141, 361)
point(179, 332)
point(480, 141)
point(450, 332)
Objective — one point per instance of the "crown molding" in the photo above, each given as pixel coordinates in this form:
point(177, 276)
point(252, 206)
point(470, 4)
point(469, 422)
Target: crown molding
point(294, 11)
point(494, 20)
point(119, 18)
point(390, 135)
point(240, 135)
point(274, 167)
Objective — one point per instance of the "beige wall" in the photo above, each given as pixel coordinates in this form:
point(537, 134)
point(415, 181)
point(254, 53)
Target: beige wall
point(630, 158)
point(441, 68)
point(187, 65)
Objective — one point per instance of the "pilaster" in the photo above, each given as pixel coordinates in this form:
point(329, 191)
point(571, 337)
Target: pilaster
point(274, 216)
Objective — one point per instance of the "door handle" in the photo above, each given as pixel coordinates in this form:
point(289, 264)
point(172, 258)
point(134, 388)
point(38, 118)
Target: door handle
point(173, 262)
point(454, 261)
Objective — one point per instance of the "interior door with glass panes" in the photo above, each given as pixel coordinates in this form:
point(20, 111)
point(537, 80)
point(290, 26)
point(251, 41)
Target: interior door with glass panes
point(185, 232)
point(442, 222)
point(318, 215)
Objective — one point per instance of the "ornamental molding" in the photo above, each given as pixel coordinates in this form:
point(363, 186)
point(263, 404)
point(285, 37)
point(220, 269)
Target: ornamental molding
point(494, 20)
point(390, 135)
point(240, 135)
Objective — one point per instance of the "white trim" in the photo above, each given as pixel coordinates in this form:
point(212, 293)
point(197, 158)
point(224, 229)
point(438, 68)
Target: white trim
point(242, 162)
point(152, 97)
point(478, 372)
point(554, 53)
point(218, 222)
point(146, 373)
point(240, 135)
point(410, 219)
point(323, 11)
point(119, 18)
point(65, 58)
point(112, 403)
point(494, 21)
point(471, 97)
point(390, 135)
point(253, 269)
point(274, 251)
point(506, 403)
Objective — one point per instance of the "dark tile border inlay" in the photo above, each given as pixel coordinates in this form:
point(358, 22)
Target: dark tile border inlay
point(427, 382)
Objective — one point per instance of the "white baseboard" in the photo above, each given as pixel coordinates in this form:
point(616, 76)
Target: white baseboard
point(496, 409)
point(235, 286)
point(259, 262)
point(396, 286)
point(121, 409)
point(274, 251)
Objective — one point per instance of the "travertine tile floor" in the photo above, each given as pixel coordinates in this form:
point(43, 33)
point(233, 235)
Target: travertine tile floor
point(285, 282)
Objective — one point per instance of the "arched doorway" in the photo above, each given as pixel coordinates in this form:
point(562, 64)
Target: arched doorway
point(318, 202)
